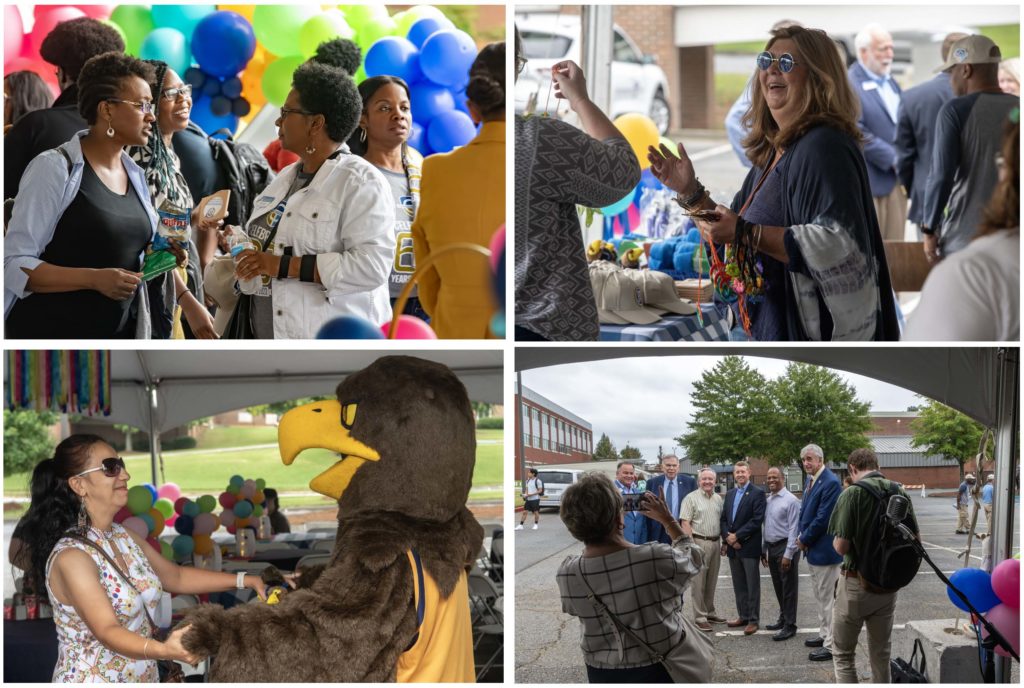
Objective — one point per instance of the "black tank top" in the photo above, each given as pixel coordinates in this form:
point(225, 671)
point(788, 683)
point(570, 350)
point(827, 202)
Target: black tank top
point(100, 229)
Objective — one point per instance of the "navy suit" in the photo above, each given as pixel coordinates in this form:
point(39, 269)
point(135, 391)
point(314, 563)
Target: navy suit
point(743, 562)
point(686, 485)
point(815, 512)
point(879, 131)
point(915, 134)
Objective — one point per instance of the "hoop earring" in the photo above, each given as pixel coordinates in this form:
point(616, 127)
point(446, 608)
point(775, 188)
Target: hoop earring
point(110, 129)
point(83, 515)
point(362, 135)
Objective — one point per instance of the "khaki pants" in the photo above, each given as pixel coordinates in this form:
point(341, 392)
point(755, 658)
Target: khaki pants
point(963, 521)
point(703, 584)
point(856, 607)
point(823, 582)
point(988, 517)
point(892, 214)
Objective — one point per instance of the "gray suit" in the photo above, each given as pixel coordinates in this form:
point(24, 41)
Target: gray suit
point(915, 130)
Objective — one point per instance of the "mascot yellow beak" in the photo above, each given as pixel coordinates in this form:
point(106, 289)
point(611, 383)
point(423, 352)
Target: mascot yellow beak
point(325, 425)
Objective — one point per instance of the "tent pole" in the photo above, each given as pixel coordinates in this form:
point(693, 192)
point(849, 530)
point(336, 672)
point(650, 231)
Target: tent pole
point(522, 429)
point(154, 433)
point(1007, 413)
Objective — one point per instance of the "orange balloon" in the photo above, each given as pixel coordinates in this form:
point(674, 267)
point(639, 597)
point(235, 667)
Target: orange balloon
point(203, 544)
point(158, 522)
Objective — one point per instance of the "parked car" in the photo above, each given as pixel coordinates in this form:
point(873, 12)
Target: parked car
point(638, 84)
point(555, 483)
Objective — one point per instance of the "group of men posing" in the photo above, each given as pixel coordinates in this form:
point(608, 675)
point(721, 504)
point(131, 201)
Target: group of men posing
point(773, 529)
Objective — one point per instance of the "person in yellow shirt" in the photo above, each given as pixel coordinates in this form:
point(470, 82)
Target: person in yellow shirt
point(462, 199)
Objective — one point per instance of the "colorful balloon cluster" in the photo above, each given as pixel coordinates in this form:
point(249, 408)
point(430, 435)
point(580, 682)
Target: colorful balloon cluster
point(148, 512)
point(195, 524)
point(243, 502)
point(996, 595)
point(239, 57)
point(640, 132)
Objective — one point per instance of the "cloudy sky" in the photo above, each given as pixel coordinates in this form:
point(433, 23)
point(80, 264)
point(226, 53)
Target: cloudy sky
point(646, 401)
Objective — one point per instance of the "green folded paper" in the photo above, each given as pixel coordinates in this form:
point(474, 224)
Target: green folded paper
point(157, 263)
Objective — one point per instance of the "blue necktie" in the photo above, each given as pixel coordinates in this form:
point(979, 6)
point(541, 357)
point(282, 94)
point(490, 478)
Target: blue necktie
point(672, 506)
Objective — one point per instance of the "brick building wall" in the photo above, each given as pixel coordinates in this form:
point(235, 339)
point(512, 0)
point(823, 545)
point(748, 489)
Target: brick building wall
point(651, 27)
point(540, 455)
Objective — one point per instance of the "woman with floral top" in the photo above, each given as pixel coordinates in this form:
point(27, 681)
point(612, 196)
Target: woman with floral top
point(103, 633)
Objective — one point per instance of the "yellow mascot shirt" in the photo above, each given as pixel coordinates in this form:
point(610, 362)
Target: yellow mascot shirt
point(443, 651)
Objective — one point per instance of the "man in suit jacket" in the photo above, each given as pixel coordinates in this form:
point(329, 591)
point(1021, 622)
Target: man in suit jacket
point(673, 487)
point(915, 131)
point(819, 499)
point(879, 105)
point(742, 517)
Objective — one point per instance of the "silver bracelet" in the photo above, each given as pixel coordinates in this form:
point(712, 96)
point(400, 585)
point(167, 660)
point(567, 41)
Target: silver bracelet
point(240, 580)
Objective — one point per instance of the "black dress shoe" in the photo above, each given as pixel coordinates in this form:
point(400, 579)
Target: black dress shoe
point(785, 633)
point(777, 626)
point(814, 642)
point(820, 655)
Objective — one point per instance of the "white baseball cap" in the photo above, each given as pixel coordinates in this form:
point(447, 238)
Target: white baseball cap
point(620, 299)
point(659, 292)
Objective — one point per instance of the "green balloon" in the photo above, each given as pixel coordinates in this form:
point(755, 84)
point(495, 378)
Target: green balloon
point(261, 483)
point(166, 551)
point(136, 22)
point(360, 75)
point(321, 28)
point(373, 30)
point(165, 507)
point(257, 510)
point(233, 489)
point(117, 28)
point(140, 499)
point(357, 15)
point(207, 503)
point(277, 26)
point(277, 78)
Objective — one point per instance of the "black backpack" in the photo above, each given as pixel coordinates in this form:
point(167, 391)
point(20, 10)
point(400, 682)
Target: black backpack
point(246, 173)
point(886, 562)
point(540, 487)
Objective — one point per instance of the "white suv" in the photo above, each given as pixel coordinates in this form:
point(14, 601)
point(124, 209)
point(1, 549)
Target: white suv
point(638, 84)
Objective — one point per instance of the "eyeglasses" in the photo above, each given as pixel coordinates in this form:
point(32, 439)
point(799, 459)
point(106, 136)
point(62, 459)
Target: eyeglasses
point(786, 62)
point(111, 468)
point(145, 107)
point(285, 111)
point(173, 93)
point(520, 65)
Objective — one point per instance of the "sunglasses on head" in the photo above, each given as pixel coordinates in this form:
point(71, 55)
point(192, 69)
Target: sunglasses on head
point(111, 467)
point(786, 62)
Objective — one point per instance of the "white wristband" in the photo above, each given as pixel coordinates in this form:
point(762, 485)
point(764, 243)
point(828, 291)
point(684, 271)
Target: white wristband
point(240, 580)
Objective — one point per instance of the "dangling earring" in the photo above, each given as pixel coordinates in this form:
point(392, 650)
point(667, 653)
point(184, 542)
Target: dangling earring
point(83, 515)
point(310, 149)
point(362, 135)
point(110, 129)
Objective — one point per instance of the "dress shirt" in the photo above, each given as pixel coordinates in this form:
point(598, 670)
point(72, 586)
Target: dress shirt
point(736, 500)
point(704, 512)
point(782, 520)
point(890, 98)
point(814, 477)
point(672, 496)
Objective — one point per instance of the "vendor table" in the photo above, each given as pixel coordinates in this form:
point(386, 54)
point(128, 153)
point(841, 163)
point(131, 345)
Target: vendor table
point(30, 651)
point(673, 328)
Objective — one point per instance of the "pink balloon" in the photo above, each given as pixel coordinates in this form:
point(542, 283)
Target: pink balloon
point(409, 327)
point(497, 245)
point(1006, 619)
point(14, 33)
point(170, 521)
point(46, 21)
point(227, 518)
point(1006, 582)
point(179, 504)
point(43, 69)
point(136, 524)
point(97, 12)
point(204, 524)
point(122, 513)
point(248, 489)
point(169, 491)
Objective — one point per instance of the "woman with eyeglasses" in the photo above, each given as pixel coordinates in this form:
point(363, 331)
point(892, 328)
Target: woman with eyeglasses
point(324, 228)
point(59, 280)
point(382, 140)
point(171, 198)
point(805, 210)
point(103, 633)
point(557, 168)
point(464, 202)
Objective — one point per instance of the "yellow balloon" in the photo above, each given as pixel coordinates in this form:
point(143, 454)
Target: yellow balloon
point(244, 10)
point(640, 132)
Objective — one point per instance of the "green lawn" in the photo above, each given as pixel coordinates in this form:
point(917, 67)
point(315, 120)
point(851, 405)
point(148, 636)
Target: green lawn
point(1006, 36)
point(237, 436)
point(197, 473)
point(728, 88)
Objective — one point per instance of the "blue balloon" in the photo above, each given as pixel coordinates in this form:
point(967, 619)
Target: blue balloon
point(169, 45)
point(232, 87)
point(183, 524)
point(450, 129)
point(393, 56)
point(461, 101)
point(417, 137)
point(236, 480)
point(183, 545)
point(243, 508)
point(190, 509)
point(220, 106)
point(240, 107)
point(420, 31)
point(349, 327)
point(446, 57)
point(223, 43)
point(619, 206)
point(203, 115)
point(430, 100)
point(195, 77)
point(976, 585)
point(184, 18)
point(152, 490)
point(211, 87)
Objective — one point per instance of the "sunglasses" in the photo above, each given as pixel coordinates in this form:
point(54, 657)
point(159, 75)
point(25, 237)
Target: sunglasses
point(786, 62)
point(111, 468)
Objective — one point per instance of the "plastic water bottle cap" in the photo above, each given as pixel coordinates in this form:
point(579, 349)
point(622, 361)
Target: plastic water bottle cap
point(237, 248)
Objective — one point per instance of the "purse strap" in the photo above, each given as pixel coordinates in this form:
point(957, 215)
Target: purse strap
point(603, 608)
point(924, 660)
point(84, 540)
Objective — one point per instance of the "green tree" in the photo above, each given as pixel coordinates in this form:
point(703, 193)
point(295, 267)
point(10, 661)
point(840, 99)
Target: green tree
point(282, 407)
point(731, 414)
point(481, 409)
point(128, 431)
point(947, 432)
point(629, 453)
point(605, 450)
point(814, 405)
point(27, 439)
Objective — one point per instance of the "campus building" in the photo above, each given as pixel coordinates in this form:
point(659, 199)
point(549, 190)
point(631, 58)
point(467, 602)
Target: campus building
point(551, 434)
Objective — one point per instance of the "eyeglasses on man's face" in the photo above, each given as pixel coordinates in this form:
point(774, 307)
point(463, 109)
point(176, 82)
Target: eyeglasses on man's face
point(145, 106)
point(786, 62)
point(111, 468)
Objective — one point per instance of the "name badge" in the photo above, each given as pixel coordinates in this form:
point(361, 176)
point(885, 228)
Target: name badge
point(869, 85)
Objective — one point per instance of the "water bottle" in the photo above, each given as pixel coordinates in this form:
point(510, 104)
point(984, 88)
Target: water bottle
point(239, 241)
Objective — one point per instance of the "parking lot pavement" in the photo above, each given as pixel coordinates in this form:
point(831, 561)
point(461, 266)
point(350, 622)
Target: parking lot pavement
point(547, 641)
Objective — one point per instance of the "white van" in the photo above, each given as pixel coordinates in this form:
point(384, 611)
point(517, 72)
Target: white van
point(555, 483)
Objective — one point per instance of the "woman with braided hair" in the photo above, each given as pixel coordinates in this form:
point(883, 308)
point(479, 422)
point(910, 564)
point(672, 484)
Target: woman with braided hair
point(172, 104)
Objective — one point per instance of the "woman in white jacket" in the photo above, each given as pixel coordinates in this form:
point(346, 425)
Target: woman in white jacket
point(323, 229)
